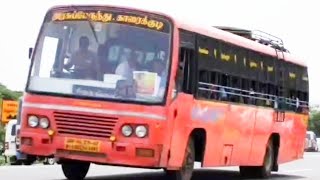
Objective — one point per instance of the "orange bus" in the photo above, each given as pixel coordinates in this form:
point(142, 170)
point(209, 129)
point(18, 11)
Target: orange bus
point(128, 87)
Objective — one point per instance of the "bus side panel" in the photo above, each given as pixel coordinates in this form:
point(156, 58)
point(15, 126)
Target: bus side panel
point(229, 136)
point(301, 125)
point(292, 134)
point(262, 131)
point(213, 117)
point(298, 136)
point(286, 150)
point(181, 128)
point(302, 130)
point(243, 121)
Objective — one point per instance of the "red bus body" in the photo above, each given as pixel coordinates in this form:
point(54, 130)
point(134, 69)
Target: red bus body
point(236, 135)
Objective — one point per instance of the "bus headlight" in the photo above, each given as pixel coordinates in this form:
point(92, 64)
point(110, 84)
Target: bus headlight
point(141, 131)
point(44, 123)
point(33, 121)
point(127, 130)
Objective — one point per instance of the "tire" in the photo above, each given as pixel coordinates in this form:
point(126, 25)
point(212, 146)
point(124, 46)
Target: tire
point(27, 163)
point(75, 170)
point(263, 171)
point(16, 163)
point(185, 173)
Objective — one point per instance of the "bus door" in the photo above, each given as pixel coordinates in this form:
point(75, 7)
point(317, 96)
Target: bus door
point(186, 72)
point(185, 83)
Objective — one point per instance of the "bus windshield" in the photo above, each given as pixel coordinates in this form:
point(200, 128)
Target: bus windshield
point(105, 55)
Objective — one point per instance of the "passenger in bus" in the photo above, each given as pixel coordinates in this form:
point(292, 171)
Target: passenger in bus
point(126, 68)
point(292, 103)
point(297, 105)
point(261, 101)
point(282, 103)
point(276, 102)
point(269, 101)
point(158, 66)
point(233, 96)
point(241, 99)
point(223, 96)
point(252, 97)
point(213, 92)
point(109, 54)
point(85, 61)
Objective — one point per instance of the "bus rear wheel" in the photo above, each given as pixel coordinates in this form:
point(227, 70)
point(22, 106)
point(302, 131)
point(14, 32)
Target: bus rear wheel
point(75, 170)
point(263, 171)
point(185, 173)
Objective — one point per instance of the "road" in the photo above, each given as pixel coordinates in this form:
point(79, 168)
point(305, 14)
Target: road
point(307, 168)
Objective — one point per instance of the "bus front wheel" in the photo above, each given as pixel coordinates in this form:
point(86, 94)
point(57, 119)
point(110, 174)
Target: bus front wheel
point(185, 173)
point(263, 171)
point(75, 170)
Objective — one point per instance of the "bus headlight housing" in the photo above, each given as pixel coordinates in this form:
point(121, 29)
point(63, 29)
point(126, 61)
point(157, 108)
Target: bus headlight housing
point(33, 121)
point(44, 123)
point(127, 130)
point(141, 131)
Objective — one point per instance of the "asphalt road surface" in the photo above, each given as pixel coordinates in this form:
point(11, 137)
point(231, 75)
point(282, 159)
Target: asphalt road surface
point(307, 168)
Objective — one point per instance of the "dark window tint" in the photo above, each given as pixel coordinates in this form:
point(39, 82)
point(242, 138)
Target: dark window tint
point(13, 130)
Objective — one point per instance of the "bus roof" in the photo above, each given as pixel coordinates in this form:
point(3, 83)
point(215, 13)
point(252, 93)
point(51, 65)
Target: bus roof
point(209, 31)
point(238, 40)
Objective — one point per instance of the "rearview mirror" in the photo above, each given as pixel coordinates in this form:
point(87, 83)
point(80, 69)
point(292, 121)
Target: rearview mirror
point(30, 52)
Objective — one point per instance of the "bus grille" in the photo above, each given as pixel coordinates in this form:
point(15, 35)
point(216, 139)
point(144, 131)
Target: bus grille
point(84, 125)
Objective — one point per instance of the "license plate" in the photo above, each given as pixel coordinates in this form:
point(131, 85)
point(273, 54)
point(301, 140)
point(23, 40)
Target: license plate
point(83, 145)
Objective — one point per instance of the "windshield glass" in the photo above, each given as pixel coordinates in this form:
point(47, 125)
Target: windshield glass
point(99, 54)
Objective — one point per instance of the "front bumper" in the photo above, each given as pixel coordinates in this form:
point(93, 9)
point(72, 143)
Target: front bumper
point(111, 153)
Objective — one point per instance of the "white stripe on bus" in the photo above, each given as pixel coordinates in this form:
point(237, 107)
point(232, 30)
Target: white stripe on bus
point(94, 110)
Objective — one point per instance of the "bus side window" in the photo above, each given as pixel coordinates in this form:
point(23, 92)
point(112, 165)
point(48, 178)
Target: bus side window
point(185, 73)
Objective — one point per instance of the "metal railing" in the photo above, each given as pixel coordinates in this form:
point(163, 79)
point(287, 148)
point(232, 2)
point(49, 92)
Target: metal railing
point(276, 100)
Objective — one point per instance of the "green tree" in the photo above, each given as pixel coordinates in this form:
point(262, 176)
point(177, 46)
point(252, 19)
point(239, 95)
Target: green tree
point(6, 93)
point(314, 122)
point(2, 134)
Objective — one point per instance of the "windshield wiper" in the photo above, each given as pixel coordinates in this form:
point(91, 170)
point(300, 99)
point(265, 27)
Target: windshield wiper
point(90, 22)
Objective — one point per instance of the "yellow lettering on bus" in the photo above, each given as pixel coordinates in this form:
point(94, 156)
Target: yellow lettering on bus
point(151, 24)
point(292, 75)
point(120, 18)
point(94, 16)
point(203, 51)
point(305, 78)
point(225, 57)
point(253, 65)
point(108, 17)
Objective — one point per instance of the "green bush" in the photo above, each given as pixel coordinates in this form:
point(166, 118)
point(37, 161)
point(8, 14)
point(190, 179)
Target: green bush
point(2, 136)
point(2, 133)
point(2, 162)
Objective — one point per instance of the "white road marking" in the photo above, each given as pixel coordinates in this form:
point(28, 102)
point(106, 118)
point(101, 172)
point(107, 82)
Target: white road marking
point(311, 155)
point(295, 170)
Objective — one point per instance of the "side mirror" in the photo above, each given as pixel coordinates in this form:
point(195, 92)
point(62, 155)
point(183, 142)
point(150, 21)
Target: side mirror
point(30, 52)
